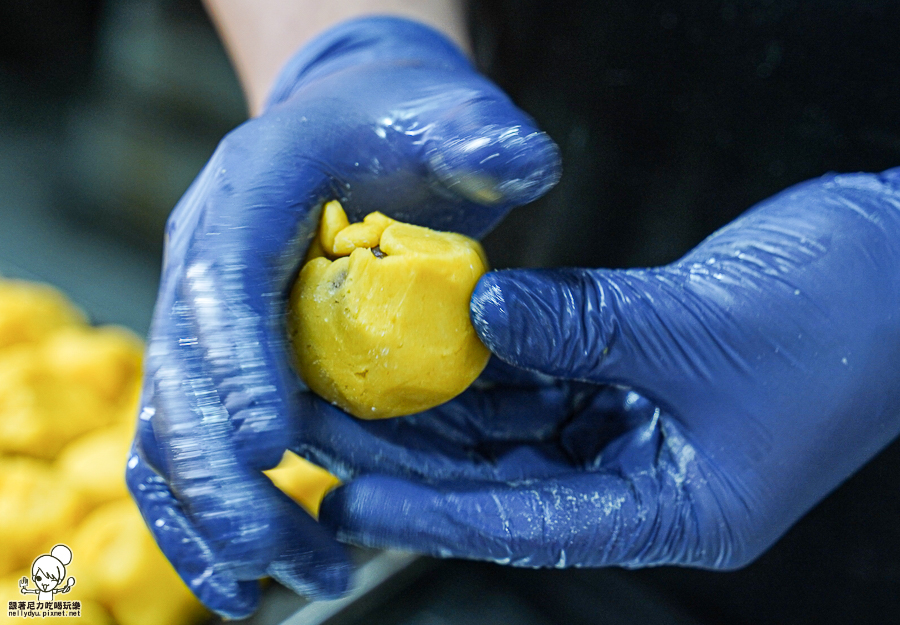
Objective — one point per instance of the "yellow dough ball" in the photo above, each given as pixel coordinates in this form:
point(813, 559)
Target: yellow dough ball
point(106, 360)
point(37, 509)
point(93, 463)
point(122, 568)
point(75, 380)
point(379, 315)
point(30, 311)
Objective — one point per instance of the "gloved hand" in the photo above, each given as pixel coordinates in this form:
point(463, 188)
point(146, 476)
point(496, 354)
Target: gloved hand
point(383, 114)
point(719, 398)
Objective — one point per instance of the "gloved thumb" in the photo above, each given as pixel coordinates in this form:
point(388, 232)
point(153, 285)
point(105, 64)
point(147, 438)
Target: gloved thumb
point(623, 326)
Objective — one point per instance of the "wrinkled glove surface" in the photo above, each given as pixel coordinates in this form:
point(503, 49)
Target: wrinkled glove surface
point(690, 414)
point(383, 114)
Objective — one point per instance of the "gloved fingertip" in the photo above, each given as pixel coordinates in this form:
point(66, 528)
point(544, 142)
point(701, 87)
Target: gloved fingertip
point(310, 562)
point(345, 513)
point(509, 319)
point(333, 581)
point(231, 601)
point(494, 165)
point(891, 176)
point(542, 320)
point(145, 441)
point(331, 506)
point(267, 451)
point(381, 511)
point(322, 579)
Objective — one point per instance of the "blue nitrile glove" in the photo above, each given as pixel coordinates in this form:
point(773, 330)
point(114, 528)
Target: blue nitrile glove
point(383, 114)
point(772, 351)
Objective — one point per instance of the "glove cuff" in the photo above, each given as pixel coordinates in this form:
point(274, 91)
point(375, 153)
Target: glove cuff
point(365, 40)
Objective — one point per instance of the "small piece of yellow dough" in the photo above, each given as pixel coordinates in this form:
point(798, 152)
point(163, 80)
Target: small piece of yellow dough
point(354, 236)
point(366, 234)
point(334, 219)
point(379, 221)
point(302, 481)
point(388, 335)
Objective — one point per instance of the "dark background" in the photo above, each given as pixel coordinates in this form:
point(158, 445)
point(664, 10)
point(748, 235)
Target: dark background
point(672, 117)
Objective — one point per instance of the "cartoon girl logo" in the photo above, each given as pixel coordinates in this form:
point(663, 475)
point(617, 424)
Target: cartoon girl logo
point(48, 571)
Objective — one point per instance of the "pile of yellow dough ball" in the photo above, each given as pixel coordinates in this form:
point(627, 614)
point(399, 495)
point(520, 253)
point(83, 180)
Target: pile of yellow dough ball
point(68, 400)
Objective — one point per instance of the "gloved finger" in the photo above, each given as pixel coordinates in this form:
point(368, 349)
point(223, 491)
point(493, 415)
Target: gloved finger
point(556, 322)
point(489, 152)
point(254, 209)
point(449, 152)
point(231, 293)
point(242, 350)
point(469, 437)
point(592, 519)
point(638, 328)
point(446, 125)
point(144, 437)
point(657, 501)
point(189, 552)
point(251, 526)
point(708, 321)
